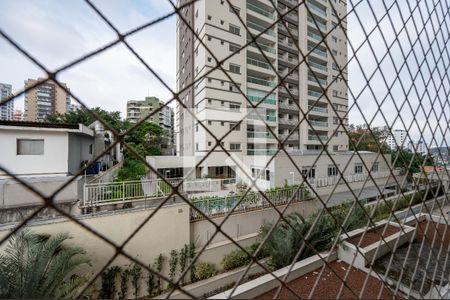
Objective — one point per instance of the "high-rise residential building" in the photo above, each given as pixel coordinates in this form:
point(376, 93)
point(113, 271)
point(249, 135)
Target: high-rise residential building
point(419, 147)
point(6, 109)
point(45, 99)
point(397, 139)
point(216, 101)
point(138, 109)
point(17, 115)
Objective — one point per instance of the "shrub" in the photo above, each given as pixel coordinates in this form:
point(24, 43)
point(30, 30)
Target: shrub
point(204, 270)
point(235, 259)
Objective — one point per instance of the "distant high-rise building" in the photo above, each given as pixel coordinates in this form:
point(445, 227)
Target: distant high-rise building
point(419, 147)
point(7, 109)
point(397, 139)
point(17, 115)
point(45, 99)
point(218, 103)
point(138, 109)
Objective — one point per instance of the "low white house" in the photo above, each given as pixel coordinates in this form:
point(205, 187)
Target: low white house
point(30, 149)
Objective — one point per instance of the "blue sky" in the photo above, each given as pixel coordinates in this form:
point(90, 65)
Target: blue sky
point(56, 32)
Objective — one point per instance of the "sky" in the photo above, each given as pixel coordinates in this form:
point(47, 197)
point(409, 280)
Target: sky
point(56, 32)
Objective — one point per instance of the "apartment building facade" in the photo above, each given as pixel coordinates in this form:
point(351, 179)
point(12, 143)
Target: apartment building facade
point(45, 99)
point(138, 109)
point(6, 109)
point(316, 89)
point(397, 139)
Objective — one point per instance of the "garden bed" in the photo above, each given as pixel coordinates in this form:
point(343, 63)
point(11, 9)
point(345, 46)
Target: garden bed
point(373, 246)
point(372, 236)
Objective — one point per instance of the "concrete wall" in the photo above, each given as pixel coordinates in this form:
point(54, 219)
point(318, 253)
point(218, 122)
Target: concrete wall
point(241, 227)
point(53, 161)
point(79, 151)
point(165, 231)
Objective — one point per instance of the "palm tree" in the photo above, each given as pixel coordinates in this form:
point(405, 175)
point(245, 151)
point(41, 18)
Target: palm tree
point(35, 265)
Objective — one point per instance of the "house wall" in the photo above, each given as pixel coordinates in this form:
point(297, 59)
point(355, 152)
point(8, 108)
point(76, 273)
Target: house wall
point(52, 162)
point(78, 151)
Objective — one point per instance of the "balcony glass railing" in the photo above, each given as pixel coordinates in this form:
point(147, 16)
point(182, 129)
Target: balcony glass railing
point(264, 47)
point(317, 24)
point(317, 9)
point(259, 135)
point(269, 118)
point(314, 36)
point(260, 81)
point(318, 52)
point(318, 66)
point(258, 63)
point(314, 94)
point(321, 81)
point(261, 151)
point(317, 137)
point(318, 109)
point(318, 123)
point(260, 11)
point(260, 28)
point(257, 99)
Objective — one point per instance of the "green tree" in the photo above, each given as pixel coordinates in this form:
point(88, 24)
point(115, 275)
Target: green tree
point(407, 160)
point(40, 266)
point(369, 140)
point(82, 116)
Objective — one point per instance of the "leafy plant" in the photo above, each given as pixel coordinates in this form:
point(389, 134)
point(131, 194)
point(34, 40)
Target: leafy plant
point(136, 273)
point(184, 252)
point(124, 276)
point(204, 270)
point(35, 265)
point(151, 286)
point(235, 259)
point(108, 289)
point(158, 266)
point(173, 262)
point(191, 257)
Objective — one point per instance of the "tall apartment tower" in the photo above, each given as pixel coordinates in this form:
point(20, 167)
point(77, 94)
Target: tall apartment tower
point(44, 100)
point(7, 109)
point(216, 101)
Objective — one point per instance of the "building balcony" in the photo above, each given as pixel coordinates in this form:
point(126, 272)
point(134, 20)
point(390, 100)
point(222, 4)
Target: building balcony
point(260, 11)
point(267, 118)
point(314, 36)
point(317, 24)
point(258, 63)
point(315, 94)
point(317, 10)
point(264, 47)
point(322, 138)
point(288, 106)
point(260, 81)
point(318, 109)
point(323, 82)
point(268, 152)
point(260, 135)
point(292, 137)
point(318, 66)
point(260, 28)
point(318, 52)
point(286, 121)
point(267, 100)
point(318, 123)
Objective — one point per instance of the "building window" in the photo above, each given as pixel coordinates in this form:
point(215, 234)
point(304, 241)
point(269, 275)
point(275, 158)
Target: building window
point(234, 48)
point(237, 128)
point(196, 146)
point(268, 175)
point(234, 107)
point(335, 148)
point(309, 172)
point(375, 167)
point(235, 146)
point(235, 69)
point(30, 147)
point(358, 169)
point(234, 9)
point(332, 171)
point(222, 123)
point(91, 149)
point(235, 29)
point(209, 144)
